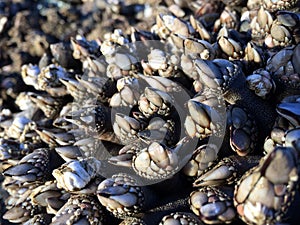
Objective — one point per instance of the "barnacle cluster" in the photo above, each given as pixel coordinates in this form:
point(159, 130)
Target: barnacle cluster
point(138, 112)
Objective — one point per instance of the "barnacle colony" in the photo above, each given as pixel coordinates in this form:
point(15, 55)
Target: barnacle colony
point(183, 112)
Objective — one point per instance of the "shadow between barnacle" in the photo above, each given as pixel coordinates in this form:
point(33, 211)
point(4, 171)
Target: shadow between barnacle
point(138, 62)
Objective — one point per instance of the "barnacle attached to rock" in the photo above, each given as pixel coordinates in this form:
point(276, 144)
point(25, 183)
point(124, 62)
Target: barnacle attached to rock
point(121, 195)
